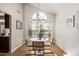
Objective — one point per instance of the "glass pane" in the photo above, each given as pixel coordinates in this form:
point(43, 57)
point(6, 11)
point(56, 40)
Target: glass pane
point(40, 28)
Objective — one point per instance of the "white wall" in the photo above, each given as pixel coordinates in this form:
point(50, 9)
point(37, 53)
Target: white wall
point(17, 35)
point(67, 38)
point(29, 10)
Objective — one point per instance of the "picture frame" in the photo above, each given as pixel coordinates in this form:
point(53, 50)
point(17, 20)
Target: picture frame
point(73, 20)
point(19, 24)
point(69, 21)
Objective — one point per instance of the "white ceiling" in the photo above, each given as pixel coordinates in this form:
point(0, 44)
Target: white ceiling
point(54, 7)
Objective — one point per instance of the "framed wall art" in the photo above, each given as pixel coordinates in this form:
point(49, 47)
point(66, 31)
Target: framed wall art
point(19, 24)
point(69, 22)
point(73, 20)
point(77, 20)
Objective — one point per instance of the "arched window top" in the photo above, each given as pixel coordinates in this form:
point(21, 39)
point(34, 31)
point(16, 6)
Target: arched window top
point(39, 15)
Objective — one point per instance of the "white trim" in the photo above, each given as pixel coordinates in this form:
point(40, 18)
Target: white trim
point(17, 47)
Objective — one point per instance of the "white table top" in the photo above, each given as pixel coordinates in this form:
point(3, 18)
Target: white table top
point(37, 39)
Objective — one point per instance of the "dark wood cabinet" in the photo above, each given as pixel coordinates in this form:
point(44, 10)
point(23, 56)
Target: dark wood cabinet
point(5, 39)
point(4, 44)
point(7, 20)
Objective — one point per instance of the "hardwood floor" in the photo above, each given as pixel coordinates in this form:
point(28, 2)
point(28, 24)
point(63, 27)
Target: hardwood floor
point(56, 50)
point(26, 51)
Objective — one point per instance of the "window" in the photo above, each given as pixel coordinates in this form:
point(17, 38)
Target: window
point(39, 26)
point(39, 15)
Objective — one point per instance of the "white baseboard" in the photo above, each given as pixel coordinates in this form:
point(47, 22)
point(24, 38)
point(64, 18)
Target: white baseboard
point(17, 47)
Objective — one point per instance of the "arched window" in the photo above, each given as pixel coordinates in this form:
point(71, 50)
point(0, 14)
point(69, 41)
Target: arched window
point(39, 26)
point(39, 16)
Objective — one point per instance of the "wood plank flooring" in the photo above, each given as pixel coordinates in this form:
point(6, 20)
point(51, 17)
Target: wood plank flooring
point(24, 50)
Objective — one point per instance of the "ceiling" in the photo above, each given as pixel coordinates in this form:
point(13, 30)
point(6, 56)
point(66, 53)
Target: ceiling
point(54, 7)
